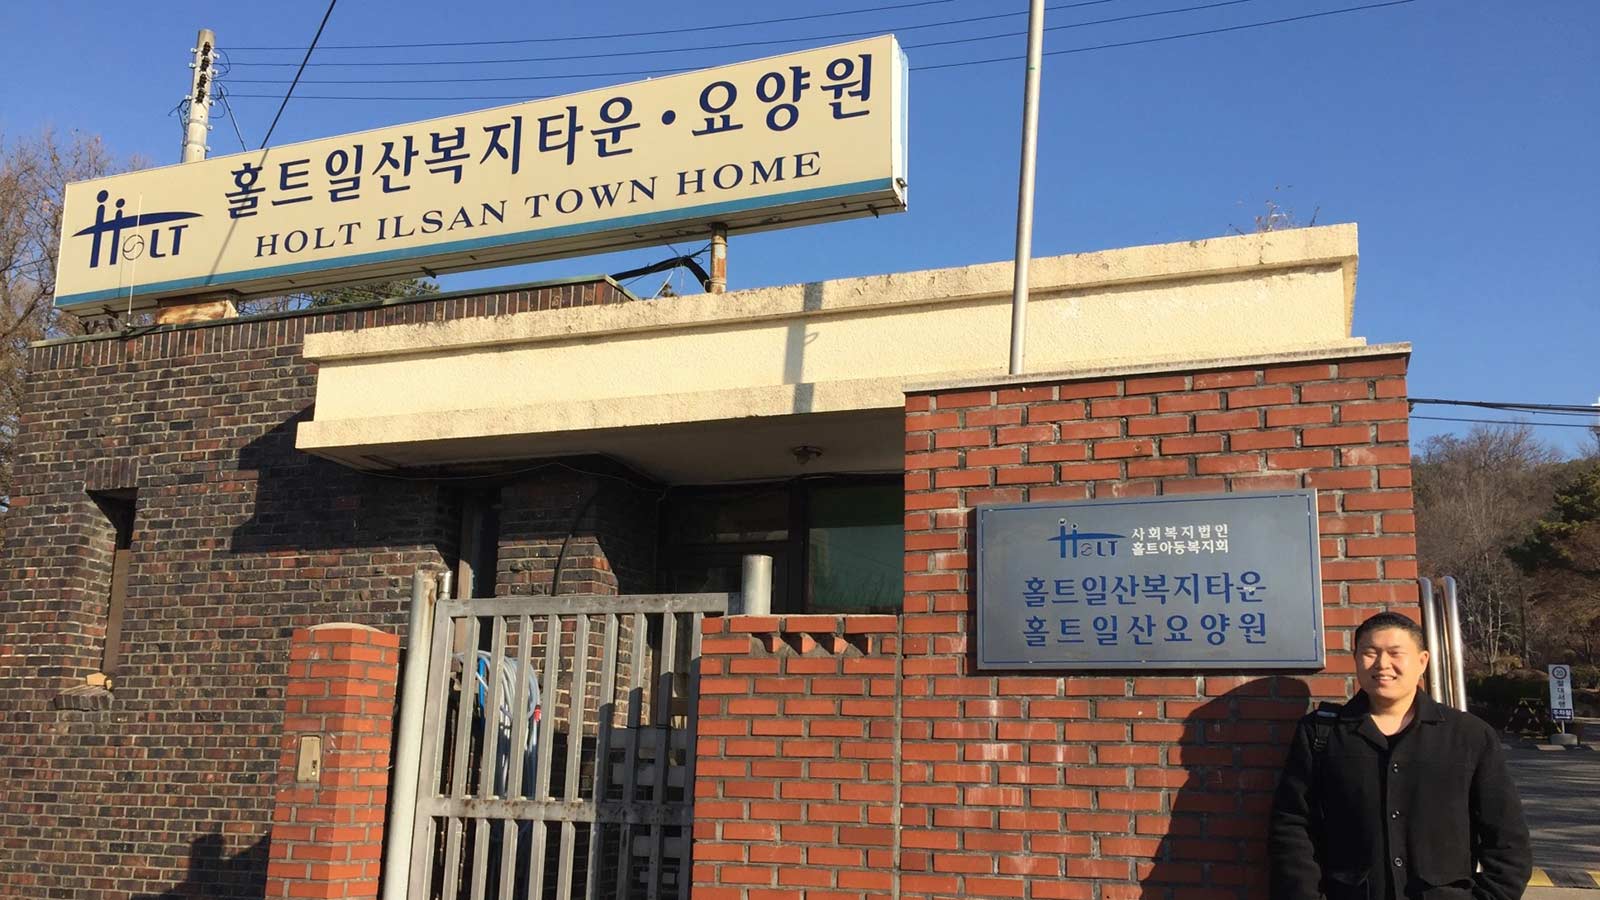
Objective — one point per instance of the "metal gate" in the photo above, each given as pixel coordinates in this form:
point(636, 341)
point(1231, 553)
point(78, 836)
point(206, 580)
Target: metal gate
point(558, 748)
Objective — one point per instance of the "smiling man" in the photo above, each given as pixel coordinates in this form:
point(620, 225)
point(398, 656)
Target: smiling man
point(1393, 796)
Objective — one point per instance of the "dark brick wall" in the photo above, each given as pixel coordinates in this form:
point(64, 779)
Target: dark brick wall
point(239, 540)
point(577, 530)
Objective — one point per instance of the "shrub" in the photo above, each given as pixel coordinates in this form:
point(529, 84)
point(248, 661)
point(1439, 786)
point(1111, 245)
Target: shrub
point(1493, 698)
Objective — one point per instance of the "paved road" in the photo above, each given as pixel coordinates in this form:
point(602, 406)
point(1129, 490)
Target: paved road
point(1561, 799)
point(1555, 893)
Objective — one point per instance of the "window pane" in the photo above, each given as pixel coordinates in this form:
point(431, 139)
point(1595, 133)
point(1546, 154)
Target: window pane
point(728, 516)
point(856, 548)
point(716, 572)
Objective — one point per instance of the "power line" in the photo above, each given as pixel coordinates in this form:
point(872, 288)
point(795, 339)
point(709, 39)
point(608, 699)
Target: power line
point(1127, 18)
point(928, 67)
point(1564, 409)
point(762, 43)
point(900, 29)
point(1172, 37)
point(222, 97)
point(634, 34)
point(1507, 422)
point(273, 127)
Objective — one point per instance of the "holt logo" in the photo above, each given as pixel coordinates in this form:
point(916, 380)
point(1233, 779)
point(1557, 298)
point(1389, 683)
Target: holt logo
point(129, 236)
point(1086, 543)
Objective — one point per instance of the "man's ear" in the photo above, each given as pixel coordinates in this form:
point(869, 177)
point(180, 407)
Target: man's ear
point(1423, 655)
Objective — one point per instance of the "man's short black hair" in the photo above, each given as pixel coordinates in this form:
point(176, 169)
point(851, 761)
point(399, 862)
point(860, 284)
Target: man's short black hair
point(1391, 620)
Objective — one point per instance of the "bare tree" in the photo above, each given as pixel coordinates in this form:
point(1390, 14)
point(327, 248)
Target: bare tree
point(33, 175)
point(1476, 496)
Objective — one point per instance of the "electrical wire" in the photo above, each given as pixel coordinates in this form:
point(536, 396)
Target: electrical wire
point(928, 67)
point(1564, 409)
point(1171, 37)
point(760, 43)
point(287, 94)
point(681, 50)
point(1595, 427)
point(690, 29)
point(222, 97)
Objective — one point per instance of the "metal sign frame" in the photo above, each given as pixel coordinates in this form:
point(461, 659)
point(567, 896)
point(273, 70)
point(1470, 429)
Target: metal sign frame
point(1308, 592)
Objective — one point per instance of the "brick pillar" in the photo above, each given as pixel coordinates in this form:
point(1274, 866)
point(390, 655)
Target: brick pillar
point(327, 833)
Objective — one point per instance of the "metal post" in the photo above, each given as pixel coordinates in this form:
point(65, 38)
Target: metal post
point(199, 123)
point(1437, 654)
point(1458, 655)
point(757, 588)
point(1030, 144)
point(718, 282)
point(408, 742)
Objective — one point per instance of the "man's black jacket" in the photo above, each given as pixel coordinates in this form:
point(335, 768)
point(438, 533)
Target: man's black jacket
point(1451, 808)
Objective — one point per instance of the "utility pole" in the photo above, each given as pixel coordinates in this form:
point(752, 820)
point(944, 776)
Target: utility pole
point(199, 101)
point(197, 124)
point(718, 282)
point(1030, 145)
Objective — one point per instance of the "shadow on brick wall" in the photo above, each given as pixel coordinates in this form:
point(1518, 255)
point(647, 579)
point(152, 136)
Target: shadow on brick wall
point(303, 502)
point(213, 875)
point(1230, 754)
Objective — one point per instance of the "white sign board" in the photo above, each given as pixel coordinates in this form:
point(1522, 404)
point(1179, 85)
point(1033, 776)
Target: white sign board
point(790, 140)
point(1561, 693)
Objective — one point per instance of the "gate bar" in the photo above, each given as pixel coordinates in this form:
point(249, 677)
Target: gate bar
point(691, 748)
point(547, 731)
point(461, 761)
point(630, 767)
point(519, 741)
point(661, 712)
point(408, 740)
point(605, 716)
point(489, 748)
point(577, 700)
point(432, 767)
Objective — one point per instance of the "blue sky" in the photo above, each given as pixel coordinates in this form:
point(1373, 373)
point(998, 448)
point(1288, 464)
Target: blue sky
point(1460, 134)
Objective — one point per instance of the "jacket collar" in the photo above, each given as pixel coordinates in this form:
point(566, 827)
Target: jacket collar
point(1428, 709)
point(1357, 714)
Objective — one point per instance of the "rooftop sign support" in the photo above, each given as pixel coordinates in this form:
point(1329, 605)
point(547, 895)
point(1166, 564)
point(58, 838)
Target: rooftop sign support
point(790, 140)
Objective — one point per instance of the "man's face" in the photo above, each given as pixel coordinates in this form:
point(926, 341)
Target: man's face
point(1389, 664)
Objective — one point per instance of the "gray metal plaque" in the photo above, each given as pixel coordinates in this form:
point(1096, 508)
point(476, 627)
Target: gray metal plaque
point(1205, 581)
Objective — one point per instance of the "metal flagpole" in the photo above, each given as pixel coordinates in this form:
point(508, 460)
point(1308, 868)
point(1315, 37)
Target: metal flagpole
point(1030, 143)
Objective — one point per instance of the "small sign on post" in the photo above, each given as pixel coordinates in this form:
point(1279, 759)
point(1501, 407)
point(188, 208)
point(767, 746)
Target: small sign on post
point(1226, 581)
point(1561, 693)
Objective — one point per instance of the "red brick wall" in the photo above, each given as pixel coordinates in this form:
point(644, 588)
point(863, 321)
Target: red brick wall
point(794, 785)
point(1091, 787)
point(327, 835)
point(239, 539)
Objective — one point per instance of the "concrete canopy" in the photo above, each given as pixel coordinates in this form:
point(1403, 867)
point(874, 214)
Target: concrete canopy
point(721, 387)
